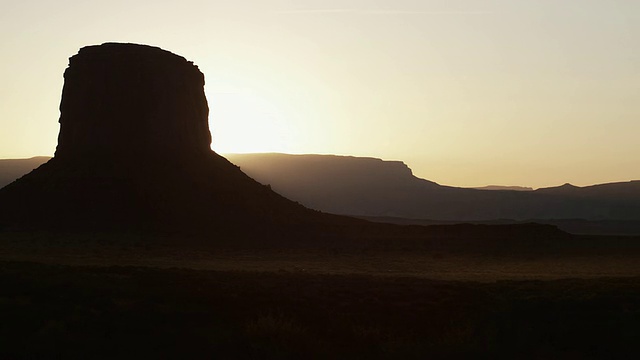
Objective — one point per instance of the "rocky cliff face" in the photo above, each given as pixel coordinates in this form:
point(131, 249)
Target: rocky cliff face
point(126, 101)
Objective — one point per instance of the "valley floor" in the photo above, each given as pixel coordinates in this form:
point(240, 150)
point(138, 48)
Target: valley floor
point(127, 300)
point(595, 261)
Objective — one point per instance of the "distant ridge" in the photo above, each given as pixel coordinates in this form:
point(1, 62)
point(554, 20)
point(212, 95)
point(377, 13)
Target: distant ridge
point(377, 188)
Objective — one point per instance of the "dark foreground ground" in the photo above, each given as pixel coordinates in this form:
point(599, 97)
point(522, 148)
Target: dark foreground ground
point(72, 300)
point(54, 311)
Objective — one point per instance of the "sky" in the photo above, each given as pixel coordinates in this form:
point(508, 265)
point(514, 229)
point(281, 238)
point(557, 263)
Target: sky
point(466, 92)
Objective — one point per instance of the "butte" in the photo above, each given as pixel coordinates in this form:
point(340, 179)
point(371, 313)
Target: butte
point(134, 154)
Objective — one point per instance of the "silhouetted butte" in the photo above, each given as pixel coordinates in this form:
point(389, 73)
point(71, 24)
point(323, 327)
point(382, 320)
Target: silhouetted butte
point(134, 154)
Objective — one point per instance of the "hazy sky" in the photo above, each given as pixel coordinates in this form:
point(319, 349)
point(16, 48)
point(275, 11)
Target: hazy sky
point(467, 93)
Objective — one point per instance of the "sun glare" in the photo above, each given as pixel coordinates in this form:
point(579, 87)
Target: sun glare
point(244, 122)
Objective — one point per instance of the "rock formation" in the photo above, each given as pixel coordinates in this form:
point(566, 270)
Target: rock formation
point(134, 154)
point(125, 101)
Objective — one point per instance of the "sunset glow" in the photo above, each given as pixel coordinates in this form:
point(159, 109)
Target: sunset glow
point(467, 93)
point(252, 124)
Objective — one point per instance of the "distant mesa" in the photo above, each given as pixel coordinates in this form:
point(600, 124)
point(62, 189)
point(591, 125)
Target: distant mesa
point(134, 154)
point(376, 188)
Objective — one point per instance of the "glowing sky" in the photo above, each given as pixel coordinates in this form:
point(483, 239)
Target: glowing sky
point(467, 93)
